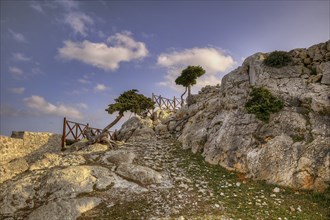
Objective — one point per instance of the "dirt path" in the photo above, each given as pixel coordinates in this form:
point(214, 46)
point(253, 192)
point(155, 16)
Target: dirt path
point(192, 189)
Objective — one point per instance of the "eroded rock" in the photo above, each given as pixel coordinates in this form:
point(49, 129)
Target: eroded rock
point(60, 209)
point(140, 174)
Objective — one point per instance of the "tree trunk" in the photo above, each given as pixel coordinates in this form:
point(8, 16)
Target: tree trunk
point(189, 91)
point(104, 136)
point(182, 96)
point(121, 114)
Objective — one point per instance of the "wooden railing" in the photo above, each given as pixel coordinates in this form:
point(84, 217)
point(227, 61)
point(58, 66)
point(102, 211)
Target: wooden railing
point(165, 103)
point(75, 131)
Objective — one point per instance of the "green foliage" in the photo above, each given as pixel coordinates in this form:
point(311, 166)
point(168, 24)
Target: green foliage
point(189, 75)
point(278, 59)
point(263, 103)
point(131, 101)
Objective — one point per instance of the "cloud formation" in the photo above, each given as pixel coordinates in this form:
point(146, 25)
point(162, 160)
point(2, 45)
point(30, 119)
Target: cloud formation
point(18, 36)
point(100, 88)
point(39, 104)
point(18, 90)
point(213, 60)
point(37, 6)
point(20, 57)
point(78, 21)
point(16, 72)
point(122, 48)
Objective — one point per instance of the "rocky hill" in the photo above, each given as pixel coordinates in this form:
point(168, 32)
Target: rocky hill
point(183, 165)
point(291, 149)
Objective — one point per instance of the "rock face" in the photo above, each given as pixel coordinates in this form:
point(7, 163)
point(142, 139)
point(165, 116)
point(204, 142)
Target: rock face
point(67, 209)
point(293, 149)
point(36, 184)
point(23, 148)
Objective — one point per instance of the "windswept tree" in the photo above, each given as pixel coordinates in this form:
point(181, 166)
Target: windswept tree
point(188, 78)
point(127, 101)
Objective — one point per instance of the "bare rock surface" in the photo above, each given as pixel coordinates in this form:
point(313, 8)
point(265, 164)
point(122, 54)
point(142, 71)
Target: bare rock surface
point(140, 174)
point(64, 209)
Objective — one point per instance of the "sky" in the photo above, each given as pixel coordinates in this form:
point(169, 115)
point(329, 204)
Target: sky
point(73, 58)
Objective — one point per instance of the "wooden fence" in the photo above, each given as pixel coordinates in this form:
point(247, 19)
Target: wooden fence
point(74, 131)
point(165, 103)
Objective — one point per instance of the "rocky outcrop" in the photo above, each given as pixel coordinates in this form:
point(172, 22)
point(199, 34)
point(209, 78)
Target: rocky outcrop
point(24, 148)
point(293, 149)
point(60, 185)
point(64, 209)
point(140, 174)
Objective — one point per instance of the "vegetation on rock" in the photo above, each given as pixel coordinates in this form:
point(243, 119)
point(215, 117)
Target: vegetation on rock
point(278, 59)
point(188, 78)
point(263, 103)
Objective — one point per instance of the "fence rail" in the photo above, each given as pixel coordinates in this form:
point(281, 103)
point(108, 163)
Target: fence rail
point(75, 131)
point(165, 103)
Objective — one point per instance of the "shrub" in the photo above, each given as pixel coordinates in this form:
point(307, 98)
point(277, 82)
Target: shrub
point(278, 59)
point(263, 103)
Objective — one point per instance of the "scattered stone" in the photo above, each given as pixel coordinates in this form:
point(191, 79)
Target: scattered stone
point(276, 190)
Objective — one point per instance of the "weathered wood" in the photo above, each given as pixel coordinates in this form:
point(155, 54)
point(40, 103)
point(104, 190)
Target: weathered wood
point(168, 104)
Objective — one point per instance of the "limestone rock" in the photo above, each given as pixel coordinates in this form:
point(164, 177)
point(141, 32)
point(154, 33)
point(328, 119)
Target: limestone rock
point(64, 209)
point(140, 174)
point(50, 160)
point(118, 157)
point(281, 151)
point(40, 186)
point(325, 69)
point(136, 127)
point(31, 145)
point(11, 169)
point(71, 181)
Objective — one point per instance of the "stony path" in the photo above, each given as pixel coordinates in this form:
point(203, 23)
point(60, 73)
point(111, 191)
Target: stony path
point(191, 189)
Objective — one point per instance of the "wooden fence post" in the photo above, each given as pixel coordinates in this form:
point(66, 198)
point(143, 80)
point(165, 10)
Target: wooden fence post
point(174, 104)
point(63, 134)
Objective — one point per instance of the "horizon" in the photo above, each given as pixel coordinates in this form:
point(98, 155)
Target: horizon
point(72, 58)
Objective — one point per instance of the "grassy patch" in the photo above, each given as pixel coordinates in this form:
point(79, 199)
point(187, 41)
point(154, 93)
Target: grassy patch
point(248, 199)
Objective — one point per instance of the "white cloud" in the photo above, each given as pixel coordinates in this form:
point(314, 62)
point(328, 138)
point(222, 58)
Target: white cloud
point(213, 60)
point(100, 88)
point(18, 90)
point(82, 105)
point(20, 57)
point(18, 36)
point(16, 72)
point(68, 4)
point(39, 104)
point(78, 22)
point(85, 79)
point(37, 6)
point(122, 48)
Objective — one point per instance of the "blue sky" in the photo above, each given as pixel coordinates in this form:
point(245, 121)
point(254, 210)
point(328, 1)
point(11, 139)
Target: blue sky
point(72, 58)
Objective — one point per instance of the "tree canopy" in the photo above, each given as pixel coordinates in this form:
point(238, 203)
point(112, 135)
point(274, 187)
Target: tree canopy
point(189, 75)
point(132, 101)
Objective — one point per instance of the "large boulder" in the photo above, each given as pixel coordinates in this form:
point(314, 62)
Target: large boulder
point(139, 174)
point(136, 128)
point(40, 186)
point(69, 209)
